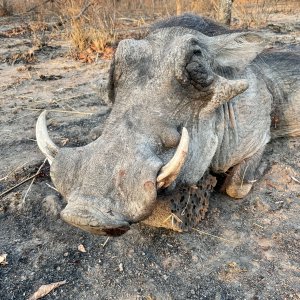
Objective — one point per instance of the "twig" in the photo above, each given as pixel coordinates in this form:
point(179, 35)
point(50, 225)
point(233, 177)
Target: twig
point(61, 111)
point(173, 216)
point(104, 244)
point(295, 179)
point(51, 187)
point(17, 185)
point(31, 183)
point(128, 19)
point(214, 236)
point(19, 167)
point(84, 9)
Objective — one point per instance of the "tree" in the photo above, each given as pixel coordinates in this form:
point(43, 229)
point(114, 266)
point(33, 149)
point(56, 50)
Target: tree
point(225, 8)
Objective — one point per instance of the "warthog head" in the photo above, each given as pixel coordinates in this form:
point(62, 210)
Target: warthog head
point(160, 87)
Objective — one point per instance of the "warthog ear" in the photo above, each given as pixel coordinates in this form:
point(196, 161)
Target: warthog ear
point(129, 54)
point(194, 71)
point(236, 50)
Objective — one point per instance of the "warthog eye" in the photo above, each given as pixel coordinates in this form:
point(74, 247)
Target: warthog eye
point(197, 52)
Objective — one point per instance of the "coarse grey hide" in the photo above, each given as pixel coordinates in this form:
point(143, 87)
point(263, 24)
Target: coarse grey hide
point(183, 103)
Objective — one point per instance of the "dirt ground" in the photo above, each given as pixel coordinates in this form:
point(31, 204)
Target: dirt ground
point(248, 249)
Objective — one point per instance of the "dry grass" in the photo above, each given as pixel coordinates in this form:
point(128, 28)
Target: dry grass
point(19, 7)
point(91, 28)
point(86, 38)
point(94, 30)
point(95, 26)
point(256, 13)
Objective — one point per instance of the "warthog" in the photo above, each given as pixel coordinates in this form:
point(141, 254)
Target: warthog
point(184, 103)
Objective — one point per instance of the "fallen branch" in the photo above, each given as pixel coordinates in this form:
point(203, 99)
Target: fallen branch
point(24, 181)
point(17, 185)
point(13, 171)
point(31, 183)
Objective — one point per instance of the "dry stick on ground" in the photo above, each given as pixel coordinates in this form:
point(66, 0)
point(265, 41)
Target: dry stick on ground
point(104, 244)
point(13, 171)
point(33, 179)
point(17, 185)
point(51, 187)
point(24, 181)
point(295, 179)
point(172, 217)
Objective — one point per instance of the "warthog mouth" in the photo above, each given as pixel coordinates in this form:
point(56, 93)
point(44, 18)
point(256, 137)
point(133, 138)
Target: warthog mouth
point(91, 213)
point(94, 221)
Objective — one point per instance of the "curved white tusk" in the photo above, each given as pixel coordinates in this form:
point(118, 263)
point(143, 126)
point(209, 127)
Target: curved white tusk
point(170, 171)
point(48, 148)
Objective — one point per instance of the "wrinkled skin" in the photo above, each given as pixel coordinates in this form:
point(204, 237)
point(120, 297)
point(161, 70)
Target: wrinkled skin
point(176, 77)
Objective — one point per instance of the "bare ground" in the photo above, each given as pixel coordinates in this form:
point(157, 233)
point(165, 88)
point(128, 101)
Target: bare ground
point(248, 249)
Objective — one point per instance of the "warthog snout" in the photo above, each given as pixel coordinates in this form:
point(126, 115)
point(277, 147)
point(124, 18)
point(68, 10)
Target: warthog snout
point(91, 219)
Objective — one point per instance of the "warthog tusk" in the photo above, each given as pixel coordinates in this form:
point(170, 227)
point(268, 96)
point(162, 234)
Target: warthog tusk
point(48, 148)
point(170, 171)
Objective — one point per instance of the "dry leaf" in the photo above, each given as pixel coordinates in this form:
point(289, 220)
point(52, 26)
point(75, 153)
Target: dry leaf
point(45, 289)
point(3, 261)
point(81, 248)
point(82, 56)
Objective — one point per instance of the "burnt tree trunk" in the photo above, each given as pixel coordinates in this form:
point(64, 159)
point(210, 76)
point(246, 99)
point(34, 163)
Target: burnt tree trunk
point(225, 8)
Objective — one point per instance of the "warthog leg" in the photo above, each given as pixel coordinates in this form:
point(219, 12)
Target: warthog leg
point(242, 176)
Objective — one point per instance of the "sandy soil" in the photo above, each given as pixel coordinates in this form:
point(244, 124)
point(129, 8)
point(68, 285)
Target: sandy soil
point(248, 249)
